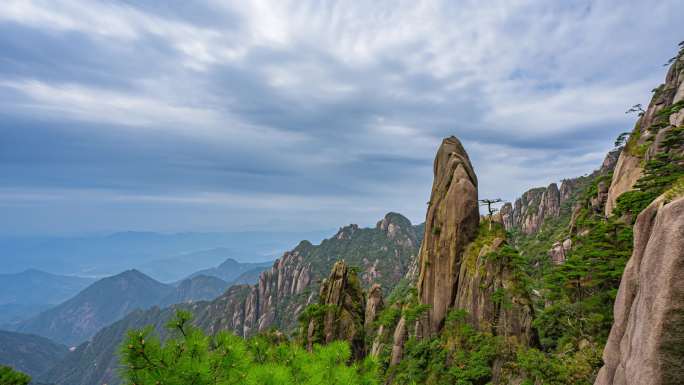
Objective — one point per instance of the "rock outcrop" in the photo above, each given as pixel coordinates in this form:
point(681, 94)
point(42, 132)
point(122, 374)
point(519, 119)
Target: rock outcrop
point(529, 212)
point(559, 251)
point(451, 223)
point(384, 255)
point(646, 342)
point(457, 267)
point(648, 133)
point(536, 205)
point(374, 305)
point(487, 292)
point(398, 340)
point(343, 302)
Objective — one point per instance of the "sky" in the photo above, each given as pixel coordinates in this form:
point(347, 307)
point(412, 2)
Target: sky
point(177, 116)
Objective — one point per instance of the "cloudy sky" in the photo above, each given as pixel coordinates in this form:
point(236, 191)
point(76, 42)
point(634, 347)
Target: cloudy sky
point(228, 115)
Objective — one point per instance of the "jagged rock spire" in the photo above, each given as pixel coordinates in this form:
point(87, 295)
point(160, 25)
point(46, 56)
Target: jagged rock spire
point(343, 300)
point(451, 223)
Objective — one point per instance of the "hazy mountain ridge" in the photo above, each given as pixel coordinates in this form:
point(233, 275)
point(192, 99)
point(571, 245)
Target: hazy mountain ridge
point(36, 287)
point(104, 255)
point(29, 353)
point(231, 271)
point(100, 304)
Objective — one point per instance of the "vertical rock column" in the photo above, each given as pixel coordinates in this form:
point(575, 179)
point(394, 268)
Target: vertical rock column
point(451, 223)
point(344, 299)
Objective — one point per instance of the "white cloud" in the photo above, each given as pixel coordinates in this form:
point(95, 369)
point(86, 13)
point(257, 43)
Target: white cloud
point(329, 91)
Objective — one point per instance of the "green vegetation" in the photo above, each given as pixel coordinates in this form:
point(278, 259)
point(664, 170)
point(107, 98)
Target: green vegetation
point(9, 376)
point(573, 300)
point(191, 357)
point(460, 355)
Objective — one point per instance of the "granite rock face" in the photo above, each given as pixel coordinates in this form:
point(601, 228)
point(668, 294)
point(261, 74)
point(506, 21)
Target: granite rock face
point(398, 340)
point(646, 341)
point(644, 141)
point(534, 206)
point(559, 250)
point(486, 291)
point(529, 212)
point(344, 301)
point(374, 305)
point(451, 223)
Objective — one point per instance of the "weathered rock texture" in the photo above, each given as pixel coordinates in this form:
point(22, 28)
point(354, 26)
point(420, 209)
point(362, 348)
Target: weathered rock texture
point(374, 305)
point(559, 250)
point(533, 207)
point(646, 342)
point(398, 341)
point(384, 254)
point(451, 223)
point(529, 212)
point(487, 291)
point(643, 142)
point(342, 297)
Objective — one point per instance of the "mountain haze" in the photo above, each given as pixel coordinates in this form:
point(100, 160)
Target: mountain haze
point(100, 304)
point(28, 353)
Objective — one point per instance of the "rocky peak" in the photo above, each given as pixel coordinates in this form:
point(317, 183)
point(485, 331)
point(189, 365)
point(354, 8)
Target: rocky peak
point(451, 223)
point(398, 228)
point(535, 206)
point(343, 301)
point(529, 212)
point(346, 232)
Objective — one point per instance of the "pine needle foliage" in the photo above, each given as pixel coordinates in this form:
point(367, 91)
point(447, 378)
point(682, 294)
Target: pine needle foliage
point(190, 357)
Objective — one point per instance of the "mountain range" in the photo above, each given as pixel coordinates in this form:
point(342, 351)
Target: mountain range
point(385, 253)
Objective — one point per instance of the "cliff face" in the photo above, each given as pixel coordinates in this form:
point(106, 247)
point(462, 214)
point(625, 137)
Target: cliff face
point(451, 223)
point(487, 291)
point(648, 134)
point(532, 208)
point(646, 341)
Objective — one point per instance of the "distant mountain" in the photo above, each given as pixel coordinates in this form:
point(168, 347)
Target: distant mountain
point(95, 361)
point(101, 304)
point(104, 255)
point(25, 294)
point(35, 287)
point(12, 313)
point(176, 268)
point(231, 271)
point(198, 288)
point(28, 353)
